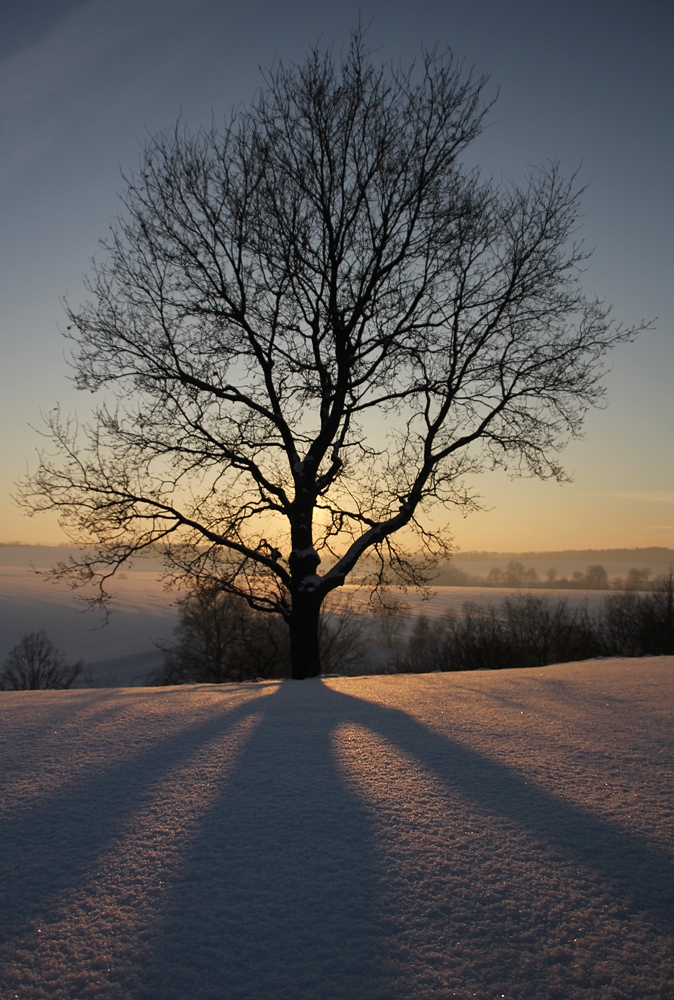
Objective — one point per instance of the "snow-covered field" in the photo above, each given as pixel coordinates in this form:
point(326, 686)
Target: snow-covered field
point(489, 835)
point(120, 653)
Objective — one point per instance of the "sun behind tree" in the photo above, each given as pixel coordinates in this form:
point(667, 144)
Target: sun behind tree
point(313, 324)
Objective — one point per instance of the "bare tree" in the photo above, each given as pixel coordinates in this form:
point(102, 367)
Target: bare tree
point(220, 638)
point(36, 664)
point(315, 323)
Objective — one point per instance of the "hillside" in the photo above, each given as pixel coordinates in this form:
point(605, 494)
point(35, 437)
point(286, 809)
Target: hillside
point(500, 834)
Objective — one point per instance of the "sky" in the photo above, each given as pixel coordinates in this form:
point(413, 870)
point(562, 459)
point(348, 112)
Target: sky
point(83, 85)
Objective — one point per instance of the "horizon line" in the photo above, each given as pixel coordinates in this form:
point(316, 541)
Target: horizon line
point(459, 553)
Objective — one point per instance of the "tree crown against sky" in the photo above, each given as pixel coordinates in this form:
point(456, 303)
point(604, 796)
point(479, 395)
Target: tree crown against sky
point(315, 323)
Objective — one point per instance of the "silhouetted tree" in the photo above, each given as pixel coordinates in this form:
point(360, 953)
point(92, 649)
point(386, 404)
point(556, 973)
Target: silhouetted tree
point(219, 638)
point(637, 624)
point(316, 321)
point(596, 578)
point(36, 664)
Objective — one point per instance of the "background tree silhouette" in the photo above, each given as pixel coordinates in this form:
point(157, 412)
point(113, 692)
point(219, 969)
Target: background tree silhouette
point(35, 663)
point(314, 323)
point(220, 638)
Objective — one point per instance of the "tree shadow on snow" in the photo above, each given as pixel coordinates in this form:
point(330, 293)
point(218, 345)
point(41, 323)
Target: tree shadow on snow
point(284, 887)
point(285, 891)
point(278, 898)
point(50, 847)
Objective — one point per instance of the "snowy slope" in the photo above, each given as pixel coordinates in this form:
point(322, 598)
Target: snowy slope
point(473, 835)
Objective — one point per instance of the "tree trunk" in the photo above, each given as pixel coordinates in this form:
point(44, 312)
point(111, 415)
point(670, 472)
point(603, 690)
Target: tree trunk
point(303, 623)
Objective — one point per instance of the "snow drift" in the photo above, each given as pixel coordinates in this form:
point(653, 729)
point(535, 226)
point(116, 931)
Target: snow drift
point(497, 834)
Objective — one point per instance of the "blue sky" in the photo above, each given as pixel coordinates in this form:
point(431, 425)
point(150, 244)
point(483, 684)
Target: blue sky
point(82, 84)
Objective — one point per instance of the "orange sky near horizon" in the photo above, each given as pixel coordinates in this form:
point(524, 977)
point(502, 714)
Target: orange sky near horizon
point(520, 515)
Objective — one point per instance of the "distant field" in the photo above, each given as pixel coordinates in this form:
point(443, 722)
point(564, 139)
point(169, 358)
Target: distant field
point(142, 614)
point(500, 834)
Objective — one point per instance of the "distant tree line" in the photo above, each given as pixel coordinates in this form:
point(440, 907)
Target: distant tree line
point(516, 574)
point(528, 630)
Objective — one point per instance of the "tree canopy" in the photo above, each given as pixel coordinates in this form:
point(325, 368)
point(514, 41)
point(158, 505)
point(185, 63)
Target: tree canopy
point(313, 323)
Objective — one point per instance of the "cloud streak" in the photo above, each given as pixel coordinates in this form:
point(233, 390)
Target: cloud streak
point(47, 85)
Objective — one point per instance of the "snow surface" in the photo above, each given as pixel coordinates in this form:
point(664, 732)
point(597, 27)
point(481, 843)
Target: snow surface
point(504, 834)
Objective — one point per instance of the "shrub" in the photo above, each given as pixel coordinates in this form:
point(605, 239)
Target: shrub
point(523, 631)
point(529, 631)
point(220, 638)
point(36, 664)
point(637, 624)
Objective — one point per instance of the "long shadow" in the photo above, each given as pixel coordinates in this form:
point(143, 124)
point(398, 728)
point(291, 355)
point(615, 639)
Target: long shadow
point(50, 846)
point(565, 693)
point(279, 897)
point(283, 893)
point(641, 873)
point(19, 760)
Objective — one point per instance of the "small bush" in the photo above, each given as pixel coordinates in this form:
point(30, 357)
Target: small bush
point(36, 664)
point(220, 638)
point(635, 624)
point(523, 631)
